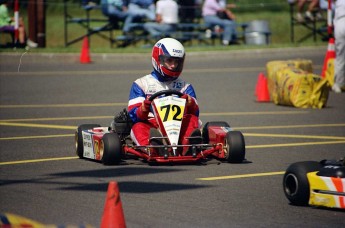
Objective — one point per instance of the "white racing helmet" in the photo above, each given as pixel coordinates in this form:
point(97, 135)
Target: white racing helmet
point(168, 58)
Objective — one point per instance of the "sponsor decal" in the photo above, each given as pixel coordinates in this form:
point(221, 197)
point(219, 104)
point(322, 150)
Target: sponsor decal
point(226, 129)
point(177, 85)
point(152, 89)
point(88, 145)
point(177, 51)
point(321, 200)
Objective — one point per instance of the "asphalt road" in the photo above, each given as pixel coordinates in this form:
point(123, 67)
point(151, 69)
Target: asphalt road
point(44, 97)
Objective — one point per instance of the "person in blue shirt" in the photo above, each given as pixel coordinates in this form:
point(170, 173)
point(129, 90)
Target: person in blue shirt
point(116, 10)
point(139, 9)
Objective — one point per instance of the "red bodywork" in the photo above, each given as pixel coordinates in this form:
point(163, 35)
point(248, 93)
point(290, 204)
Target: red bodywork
point(215, 147)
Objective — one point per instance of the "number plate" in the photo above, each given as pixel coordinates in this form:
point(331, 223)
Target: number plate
point(170, 110)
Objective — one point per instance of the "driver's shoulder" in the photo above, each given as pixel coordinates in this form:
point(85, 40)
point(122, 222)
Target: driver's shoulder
point(145, 79)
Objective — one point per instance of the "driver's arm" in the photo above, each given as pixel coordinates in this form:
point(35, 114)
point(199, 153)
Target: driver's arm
point(192, 103)
point(138, 106)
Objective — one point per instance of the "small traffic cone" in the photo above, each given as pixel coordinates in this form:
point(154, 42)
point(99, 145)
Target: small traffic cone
point(330, 54)
point(85, 54)
point(262, 94)
point(260, 78)
point(113, 215)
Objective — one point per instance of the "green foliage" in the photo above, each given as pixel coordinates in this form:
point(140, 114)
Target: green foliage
point(276, 12)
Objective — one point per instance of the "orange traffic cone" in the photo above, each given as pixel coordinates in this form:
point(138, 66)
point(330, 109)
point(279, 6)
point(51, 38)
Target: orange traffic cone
point(260, 78)
point(262, 94)
point(330, 54)
point(85, 55)
point(113, 215)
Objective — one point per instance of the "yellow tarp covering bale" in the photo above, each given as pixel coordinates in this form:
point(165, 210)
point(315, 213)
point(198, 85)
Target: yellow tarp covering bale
point(329, 74)
point(299, 88)
point(273, 66)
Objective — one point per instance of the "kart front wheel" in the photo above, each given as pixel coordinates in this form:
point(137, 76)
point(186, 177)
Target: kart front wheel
point(78, 138)
point(295, 182)
point(235, 149)
point(111, 149)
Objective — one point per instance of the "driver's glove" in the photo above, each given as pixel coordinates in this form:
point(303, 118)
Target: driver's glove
point(143, 110)
point(191, 106)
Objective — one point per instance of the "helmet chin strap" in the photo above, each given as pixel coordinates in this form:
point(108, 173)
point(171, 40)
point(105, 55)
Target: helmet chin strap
point(161, 77)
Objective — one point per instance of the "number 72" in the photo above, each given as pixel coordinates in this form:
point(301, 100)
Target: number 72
point(171, 112)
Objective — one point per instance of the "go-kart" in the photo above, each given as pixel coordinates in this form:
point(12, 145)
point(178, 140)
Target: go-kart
point(320, 184)
point(111, 145)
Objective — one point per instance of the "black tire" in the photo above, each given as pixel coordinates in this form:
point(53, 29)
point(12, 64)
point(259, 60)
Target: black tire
point(205, 136)
point(234, 147)
point(295, 181)
point(111, 149)
point(78, 138)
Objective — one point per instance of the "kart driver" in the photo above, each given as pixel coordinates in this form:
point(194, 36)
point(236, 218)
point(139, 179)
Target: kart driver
point(168, 57)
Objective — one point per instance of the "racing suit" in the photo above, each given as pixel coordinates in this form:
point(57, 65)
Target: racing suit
point(146, 86)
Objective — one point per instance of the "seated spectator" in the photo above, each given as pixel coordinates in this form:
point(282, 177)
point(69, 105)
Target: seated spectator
point(210, 11)
point(7, 25)
point(116, 10)
point(323, 5)
point(166, 19)
point(313, 5)
point(187, 10)
point(226, 14)
point(139, 9)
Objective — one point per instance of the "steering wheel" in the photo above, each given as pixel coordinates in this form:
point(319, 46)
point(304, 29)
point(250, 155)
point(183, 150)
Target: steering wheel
point(166, 93)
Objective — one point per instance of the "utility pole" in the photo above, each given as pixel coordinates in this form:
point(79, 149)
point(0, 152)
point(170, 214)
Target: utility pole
point(37, 22)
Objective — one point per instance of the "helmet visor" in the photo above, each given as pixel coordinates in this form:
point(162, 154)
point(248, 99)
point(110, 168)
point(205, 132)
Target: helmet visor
point(174, 64)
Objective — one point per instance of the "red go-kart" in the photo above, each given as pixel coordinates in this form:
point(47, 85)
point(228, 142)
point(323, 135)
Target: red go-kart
point(111, 145)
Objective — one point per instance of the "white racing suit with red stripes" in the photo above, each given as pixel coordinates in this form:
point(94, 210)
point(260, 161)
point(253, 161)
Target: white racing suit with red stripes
point(148, 85)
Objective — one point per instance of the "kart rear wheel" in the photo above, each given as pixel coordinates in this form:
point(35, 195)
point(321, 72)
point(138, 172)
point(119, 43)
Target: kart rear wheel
point(78, 138)
point(235, 150)
point(111, 149)
point(205, 136)
point(296, 184)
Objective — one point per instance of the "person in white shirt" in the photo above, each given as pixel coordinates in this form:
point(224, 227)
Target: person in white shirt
point(339, 35)
point(166, 19)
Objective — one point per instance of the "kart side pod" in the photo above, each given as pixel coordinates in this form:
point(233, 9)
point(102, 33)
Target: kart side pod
point(220, 133)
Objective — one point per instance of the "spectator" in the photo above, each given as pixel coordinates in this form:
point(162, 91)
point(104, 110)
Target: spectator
point(7, 25)
point(210, 10)
point(116, 10)
point(339, 35)
point(139, 9)
point(227, 15)
point(313, 5)
point(166, 18)
point(324, 4)
point(168, 57)
point(188, 10)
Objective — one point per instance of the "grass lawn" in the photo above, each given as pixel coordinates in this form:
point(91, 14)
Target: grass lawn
point(275, 12)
